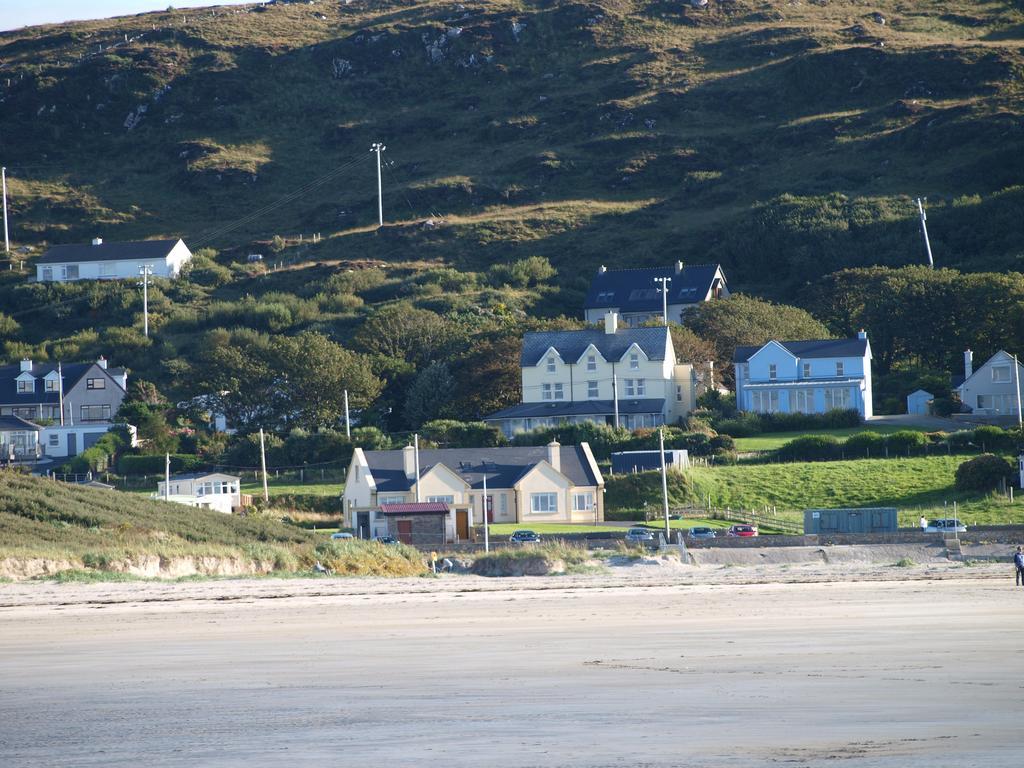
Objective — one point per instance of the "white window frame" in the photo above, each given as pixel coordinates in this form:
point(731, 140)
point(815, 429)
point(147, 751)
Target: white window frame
point(543, 503)
point(773, 371)
point(545, 390)
point(51, 385)
point(807, 370)
point(591, 362)
point(54, 440)
point(641, 387)
point(803, 401)
point(1001, 369)
point(551, 365)
point(583, 501)
point(840, 368)
point(26, 387)
point(764, 400)
point(634, 361)
point(96, 383)
point(838, 398)
point(630, 388)
point(445, 498)
point(391, 499)
point(47, 274)
point(559, 391)
point(69, 272)
point(593, 390)
point(679, 393)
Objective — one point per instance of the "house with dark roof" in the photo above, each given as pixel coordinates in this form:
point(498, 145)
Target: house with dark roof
point(814, 376)
point(626, 377)
point(636, 294)
point(112, 261)
point(524, 484)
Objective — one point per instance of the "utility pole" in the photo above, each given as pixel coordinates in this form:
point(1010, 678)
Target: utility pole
point(664, 296)
point(416, 454)
point(60, 392)
point(7, 241)
point(145, 270)
point(664, 483)
point(487, 530)
point(924, 230)
point(615, 397)
point(167, 477)
point(348, 424)
point(1016, 389)
point(263, 466)
point(378, 148)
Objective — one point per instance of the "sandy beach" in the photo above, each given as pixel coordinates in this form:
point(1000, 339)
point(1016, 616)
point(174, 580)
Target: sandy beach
point(646, 667)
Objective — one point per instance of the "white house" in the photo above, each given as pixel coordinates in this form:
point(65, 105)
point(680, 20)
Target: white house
point(90, 393)
point(635, 294)
point(992, 390)
point(111, 261)
point(529, 484)
point(594, 374)
point(814, 376)
point(19, 440)
point(61, 442)
point(209, 490)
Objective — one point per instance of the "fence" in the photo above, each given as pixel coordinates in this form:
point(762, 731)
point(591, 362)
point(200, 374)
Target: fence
point(767, 519)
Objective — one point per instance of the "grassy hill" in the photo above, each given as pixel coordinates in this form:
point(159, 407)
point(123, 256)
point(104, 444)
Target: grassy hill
point(784, 139)
point(76, 528)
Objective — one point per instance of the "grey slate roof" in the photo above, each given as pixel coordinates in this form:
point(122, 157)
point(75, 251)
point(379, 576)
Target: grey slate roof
point(198, 476)
point(72, 373)
point(634, 290)
point(580, 408)
point(139, 249)
point(612, 346)
point(503, 466)
point(17, 424)
point(811, 349)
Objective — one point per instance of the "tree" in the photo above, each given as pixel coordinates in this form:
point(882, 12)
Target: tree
point(404, 332)
point(983, 473)
point(430, 395)
point(488, 378)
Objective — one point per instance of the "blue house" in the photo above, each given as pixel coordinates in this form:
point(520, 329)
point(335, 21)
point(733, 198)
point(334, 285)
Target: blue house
point(814, 376)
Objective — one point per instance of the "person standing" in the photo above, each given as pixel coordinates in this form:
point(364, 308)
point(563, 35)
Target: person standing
point(923, 523)
point(1018, 563)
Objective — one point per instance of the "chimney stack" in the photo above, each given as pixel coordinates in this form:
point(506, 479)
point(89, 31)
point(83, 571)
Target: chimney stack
point(611, 323)
point(102, 362)
point(679, 267)
point(602, 269)
point(555, 455)
point(862, 334)
point(26, 366)
point(409, 462)
point(968, 364)
point(97, 241)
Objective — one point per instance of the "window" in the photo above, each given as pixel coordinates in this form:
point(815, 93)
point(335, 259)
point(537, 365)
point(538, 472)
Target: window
point(583, 502)
point(51, 385)
point(391, 500)
point(545, 391)
point(803, 401)
point(838, 398)
point(47, 274)
point(807, 370)
point(679, 393)
point(634, 362)
point(26, 387)
point(592, 390)
point(559, 393)
point(765, 401)
point(543, 503)
point(839, 369)
point(95, 383)
point(746, 371)
point(503, 503)
point(1000, 374)
point(591, 362)
point(95, 413)
point(997, 403)
point(551, 363)
point(215, 488)
point(25, 413)
point(69, 272)
point(630, 388)
point(773, 371)
point(54, 441)
point(641, 388)
point(448, 499)
point(106, 269)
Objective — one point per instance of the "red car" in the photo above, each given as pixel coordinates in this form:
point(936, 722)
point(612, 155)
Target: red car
point(742, 530)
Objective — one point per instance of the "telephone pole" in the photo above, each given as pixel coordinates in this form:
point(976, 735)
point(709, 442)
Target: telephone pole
point(263, 466)
point(145, 270)
point(924, 230)
point(664, 484)
point(378, 148)
point(7, 241)
point(348, 423)
point(664, 296)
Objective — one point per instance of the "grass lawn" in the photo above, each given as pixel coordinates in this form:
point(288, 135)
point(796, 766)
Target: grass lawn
point(769, 441)
point(291, 488)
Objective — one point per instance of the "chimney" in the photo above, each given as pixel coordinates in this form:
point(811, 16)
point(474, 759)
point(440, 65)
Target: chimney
point(555, 455)
point(409, 462)
point(602, 269)
point(26, 366)
point(862, 334)
point(611, 323)
point(968, 364)
point(679, 267)
point(97, 241)
point(102, 362)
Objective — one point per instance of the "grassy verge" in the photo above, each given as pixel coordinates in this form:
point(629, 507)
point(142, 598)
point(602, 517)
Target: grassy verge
point(535, 560)
point(770, 441)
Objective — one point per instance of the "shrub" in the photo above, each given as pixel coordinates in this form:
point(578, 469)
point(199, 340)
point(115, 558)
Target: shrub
point(810, 448)
point(960, 440)
point(995, 439)
point(866, 444)
point(463, 434)
point(906, 440)
point(945, 406)
point(983, 473)
point(744, 425)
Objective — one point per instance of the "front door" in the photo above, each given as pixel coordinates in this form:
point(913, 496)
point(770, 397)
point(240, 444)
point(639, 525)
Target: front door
point(405, 531)
point(462, 524)
point(72, 444)
point(490, 509)
point(363, 525)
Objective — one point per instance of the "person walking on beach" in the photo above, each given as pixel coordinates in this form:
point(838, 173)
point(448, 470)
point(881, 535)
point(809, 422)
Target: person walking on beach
point(1018, 563)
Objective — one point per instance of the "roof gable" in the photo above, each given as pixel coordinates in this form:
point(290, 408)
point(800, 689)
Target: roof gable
point(773, 345)
point(1002, 356)
point(810, 349)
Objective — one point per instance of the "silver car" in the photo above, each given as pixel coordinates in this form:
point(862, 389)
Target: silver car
point(946, 525)
point(639, 535)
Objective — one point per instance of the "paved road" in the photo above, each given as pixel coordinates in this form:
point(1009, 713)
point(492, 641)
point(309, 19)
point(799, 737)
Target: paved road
point(864, 674)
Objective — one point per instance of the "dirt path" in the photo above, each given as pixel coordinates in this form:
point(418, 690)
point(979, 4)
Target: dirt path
point(644, 669)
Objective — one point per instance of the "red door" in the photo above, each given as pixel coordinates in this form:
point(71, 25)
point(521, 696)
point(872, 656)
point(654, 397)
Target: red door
point(490, 509)
point(405, 531)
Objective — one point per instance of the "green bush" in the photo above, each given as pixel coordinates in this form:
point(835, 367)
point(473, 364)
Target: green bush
point(463, 434)
point(810, 448)
point(995, 439)
point(864, 444)
point(744, 425)
point(906, 440)
point(154, 465)
point(983, 473)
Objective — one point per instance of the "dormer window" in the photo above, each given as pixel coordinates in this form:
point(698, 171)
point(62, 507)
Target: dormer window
point(51, 385)
point(839, 369)
point(551, 363)
point(773, 371)
point(591, 362)
point(26, 387)
point(634, 361)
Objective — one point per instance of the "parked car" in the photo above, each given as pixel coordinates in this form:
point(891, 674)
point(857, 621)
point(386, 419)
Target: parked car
point(340, 535)
point(524, 537)
point(946, 524)
point(385, 539)
point(741, 530)
point(639, 535)
point(701, 533)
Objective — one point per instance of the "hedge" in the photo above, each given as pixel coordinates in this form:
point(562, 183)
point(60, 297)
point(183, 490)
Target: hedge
point(810, 448)
point(983, 473)
point(154, 465)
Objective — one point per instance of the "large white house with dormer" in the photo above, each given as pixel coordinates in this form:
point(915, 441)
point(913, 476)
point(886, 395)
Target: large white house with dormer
point(814, 376)
point(627, 376)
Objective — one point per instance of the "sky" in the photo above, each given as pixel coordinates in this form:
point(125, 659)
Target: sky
point(22, 13)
